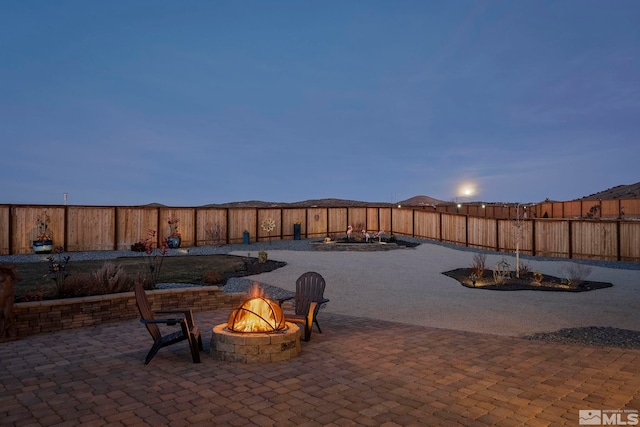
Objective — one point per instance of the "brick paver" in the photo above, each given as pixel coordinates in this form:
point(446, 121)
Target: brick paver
point(358, 372)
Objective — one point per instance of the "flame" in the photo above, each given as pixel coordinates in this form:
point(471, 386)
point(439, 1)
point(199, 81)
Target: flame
point(257, 314)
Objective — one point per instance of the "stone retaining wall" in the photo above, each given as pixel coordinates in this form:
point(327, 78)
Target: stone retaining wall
point(54, 315)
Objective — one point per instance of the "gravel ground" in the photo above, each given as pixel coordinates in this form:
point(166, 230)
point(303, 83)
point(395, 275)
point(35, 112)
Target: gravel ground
point(590, 336)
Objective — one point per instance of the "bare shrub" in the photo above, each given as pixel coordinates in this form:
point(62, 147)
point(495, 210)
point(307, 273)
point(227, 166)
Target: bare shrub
point(112, 279)
point(78, 285)
point(36, 294)
point(211, 278)
point(575, 273)
point(524, 269)
point(501, 272)
point(478, 265)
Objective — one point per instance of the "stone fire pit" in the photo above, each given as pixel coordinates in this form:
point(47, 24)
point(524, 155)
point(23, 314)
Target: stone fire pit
point(255, 347)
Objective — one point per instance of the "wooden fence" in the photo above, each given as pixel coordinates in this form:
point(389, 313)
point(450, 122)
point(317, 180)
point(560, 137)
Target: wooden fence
point(585, 209)
point(89, 228)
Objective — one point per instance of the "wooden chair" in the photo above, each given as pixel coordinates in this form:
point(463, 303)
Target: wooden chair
point(188, 331)
point(308, 299)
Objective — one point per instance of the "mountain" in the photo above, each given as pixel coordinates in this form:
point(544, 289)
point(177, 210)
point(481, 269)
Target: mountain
point(619, 192)
point(303, 204)
point(421, 201)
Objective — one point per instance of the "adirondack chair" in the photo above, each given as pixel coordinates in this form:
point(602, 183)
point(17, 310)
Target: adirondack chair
point(184, 318)
point(308, 299)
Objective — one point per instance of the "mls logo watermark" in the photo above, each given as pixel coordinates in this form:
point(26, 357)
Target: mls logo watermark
point(608, 417)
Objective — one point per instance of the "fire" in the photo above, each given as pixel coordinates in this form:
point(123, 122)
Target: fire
point(256, 314)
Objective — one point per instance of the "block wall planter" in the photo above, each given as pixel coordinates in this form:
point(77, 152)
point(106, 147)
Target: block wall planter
point(54, 315)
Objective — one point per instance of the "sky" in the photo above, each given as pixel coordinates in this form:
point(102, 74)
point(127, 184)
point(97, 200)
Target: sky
point(200, 102)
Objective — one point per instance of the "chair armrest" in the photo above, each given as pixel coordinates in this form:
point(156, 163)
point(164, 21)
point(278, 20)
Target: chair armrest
point(188, 314)
point(321, 300)
point(168, 321)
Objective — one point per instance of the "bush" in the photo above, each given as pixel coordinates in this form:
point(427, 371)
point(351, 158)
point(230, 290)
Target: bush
point(575, 273)
point(138, 247)
point(478, 265)
point(211, 278)
point(112, 279)
point(524, 270)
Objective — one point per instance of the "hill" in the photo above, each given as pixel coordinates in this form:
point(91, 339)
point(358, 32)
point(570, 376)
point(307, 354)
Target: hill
point(303, 204)
point(619, 192)
point(421, 201)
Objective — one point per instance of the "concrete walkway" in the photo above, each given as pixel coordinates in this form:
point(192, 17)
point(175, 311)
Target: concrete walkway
point(439, 362)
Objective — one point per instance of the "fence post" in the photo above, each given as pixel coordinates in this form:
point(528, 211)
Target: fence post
point(413, 223)
point(257, 225)
point(227, 225)
point(533, 237)
point(10, 230)
point(115, 228)
point(570, 223)
point(618, 244)
point(466, 230)
point(66, 228)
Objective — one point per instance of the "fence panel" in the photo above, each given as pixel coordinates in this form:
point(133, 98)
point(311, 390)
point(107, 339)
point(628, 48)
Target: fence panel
point(474, 210)
point(427, 225)
point(90, 228)
point(610, 209)
point(402, 221)
point(512, 233)
point(385, 220)
point(573, 209)
point(630, 208)
point(552, 238)
point(186, 225)
point(629, 238)
point(264, 217)
point(358, 219)
point(373, 220)
point(212, 226)
point(482, 232)
point(241, 220)
point(25, 226)
point(317, 222)
point(590, 209)
point(545, 210)
point(594, 240)
point(293, 216)
point(453, 229)
point(134, 224)
point(337, 222)
point(5, 238)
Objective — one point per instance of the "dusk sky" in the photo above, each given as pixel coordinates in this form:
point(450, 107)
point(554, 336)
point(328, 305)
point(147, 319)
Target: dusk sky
point(198, 102)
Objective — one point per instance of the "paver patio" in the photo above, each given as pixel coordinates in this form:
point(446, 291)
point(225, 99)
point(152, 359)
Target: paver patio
point(358, 372)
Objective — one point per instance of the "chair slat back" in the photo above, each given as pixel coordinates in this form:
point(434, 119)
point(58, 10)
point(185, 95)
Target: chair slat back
point(145, 311)
point(309, 287)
